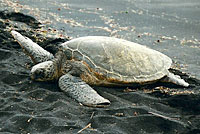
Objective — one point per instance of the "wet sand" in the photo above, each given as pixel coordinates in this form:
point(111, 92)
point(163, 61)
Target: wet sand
point(40, 107)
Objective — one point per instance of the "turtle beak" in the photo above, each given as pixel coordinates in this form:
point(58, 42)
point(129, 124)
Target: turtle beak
point(32, 76)
point(36, 77)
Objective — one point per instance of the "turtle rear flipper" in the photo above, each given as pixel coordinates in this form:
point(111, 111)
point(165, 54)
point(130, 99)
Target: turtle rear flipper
point(82, 92)
point(37, 53)
point(175, 79)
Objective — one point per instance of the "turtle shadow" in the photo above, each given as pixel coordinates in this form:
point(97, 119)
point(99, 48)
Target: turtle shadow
point(158, 89)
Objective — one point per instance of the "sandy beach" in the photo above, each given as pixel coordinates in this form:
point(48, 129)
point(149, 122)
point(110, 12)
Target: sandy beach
point(171, 27)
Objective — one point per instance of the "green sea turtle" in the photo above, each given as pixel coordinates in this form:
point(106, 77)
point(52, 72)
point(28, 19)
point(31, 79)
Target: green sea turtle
point(97, 60)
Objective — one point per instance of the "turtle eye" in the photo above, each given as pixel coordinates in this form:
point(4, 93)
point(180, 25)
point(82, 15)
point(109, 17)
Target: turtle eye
point(40, 73)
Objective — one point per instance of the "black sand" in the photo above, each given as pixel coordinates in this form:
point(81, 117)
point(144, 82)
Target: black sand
point(35, 107)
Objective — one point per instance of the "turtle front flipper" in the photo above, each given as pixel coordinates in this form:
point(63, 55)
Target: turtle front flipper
point(82, 92)
point(37, 53)
point(175, 79)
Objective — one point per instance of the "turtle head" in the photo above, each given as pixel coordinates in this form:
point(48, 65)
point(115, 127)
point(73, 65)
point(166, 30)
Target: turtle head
point(45, 71)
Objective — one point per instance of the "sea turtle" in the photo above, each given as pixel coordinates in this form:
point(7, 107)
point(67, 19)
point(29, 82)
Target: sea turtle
point(97, 60)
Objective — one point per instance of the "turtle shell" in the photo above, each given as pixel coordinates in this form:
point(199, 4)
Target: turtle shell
point(118, 59)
